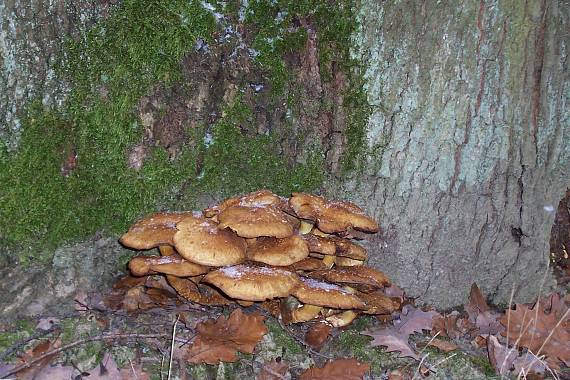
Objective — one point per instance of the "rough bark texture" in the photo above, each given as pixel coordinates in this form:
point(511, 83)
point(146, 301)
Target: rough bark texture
point(471, 123)
point(31, 33)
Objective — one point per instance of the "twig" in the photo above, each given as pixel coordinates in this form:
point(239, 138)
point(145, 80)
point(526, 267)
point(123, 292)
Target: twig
point(420, 365)
point(78, 343)
point(172, 346)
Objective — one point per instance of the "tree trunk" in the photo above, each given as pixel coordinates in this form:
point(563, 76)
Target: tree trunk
point(31, 33)
point(471, 126)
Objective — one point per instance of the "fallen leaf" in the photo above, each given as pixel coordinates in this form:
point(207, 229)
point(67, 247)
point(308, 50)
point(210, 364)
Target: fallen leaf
point(540, 332)
point(480, 314)
point(33, 354)
point(452, 325)
point(393, 340)
point(318, 335)
point(339, 369)
point(414, 320)
point(500, 356)
point(443, 345)
point(128, 282)
point(273, 370)
point(218, 340)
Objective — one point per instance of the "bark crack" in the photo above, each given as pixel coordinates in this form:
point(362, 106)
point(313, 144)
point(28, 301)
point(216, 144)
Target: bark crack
point(537, 74)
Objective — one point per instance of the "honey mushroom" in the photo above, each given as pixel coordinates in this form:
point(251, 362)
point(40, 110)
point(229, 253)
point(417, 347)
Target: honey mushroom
point(250, 248)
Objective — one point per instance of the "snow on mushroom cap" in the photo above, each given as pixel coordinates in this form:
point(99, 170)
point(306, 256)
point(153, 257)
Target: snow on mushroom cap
point(239, 271)
point(312, 283)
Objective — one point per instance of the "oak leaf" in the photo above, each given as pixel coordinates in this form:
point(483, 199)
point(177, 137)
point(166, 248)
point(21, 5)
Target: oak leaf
point(507, 361)
point(540, 332)
point(393, 340)
point(219, 340)
point(339, 369)
point(414, 320)
point(443, 345)
point(273, 370)
point(480, 314)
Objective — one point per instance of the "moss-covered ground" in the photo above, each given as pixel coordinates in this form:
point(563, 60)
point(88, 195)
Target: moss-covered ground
point(70, 178)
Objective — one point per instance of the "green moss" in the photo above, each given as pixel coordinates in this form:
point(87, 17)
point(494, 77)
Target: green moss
point(483, 363)
point(22, 330)
point(283, 339)
point(236, 163)
point(353, 344)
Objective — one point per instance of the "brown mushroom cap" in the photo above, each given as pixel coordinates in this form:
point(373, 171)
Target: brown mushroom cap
point(379, 303)
point(173, 264)
point(320, 244)
point(260, 198)
point(253, 283)
point(331, 216)
point(356, 275)
point(314, 292)
point(193, 292)
point(335, 246)
point(308, 264)
point(251, 222)
point(153, 230)
point(278, 252)
point(200, 241)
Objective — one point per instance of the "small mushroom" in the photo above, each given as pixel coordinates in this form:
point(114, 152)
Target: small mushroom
point(253, 283)
point(335, 246)
point(173, 264)
point(320, 293)
point(332, 216)
point(278, 252)
point(200, 241)
point(309, 264)
point(361, 277)
point(153, 230)
point(379, 303)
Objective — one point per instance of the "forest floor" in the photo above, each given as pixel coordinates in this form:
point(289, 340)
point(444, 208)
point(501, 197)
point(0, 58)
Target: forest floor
point(142, 330)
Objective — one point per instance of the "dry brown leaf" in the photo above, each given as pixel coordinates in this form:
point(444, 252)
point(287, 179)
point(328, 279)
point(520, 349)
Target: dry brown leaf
point(540, 332)
point(218, 340)
point(393, 340)
point(273, 370)
point(33, 353)
point(414, 320)
point(339, 369)
point(485, 320)
point(500, 356)
point(443, 345)
point(128, 282)
point(318, 335)
point(452, 325)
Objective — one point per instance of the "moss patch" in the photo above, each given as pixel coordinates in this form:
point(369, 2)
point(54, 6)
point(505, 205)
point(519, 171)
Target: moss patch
point(116, 63)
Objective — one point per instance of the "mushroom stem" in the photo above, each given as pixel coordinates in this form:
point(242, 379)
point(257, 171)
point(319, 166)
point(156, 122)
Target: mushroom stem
point(305, 313)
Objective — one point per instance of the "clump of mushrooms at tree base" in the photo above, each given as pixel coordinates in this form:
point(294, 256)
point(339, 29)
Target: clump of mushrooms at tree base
point(297, 257)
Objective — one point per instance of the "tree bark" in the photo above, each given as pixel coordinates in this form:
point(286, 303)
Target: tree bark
point(31, 33)
point(471, 126)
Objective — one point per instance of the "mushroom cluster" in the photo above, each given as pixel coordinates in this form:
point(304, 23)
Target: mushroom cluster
point(296, 256)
